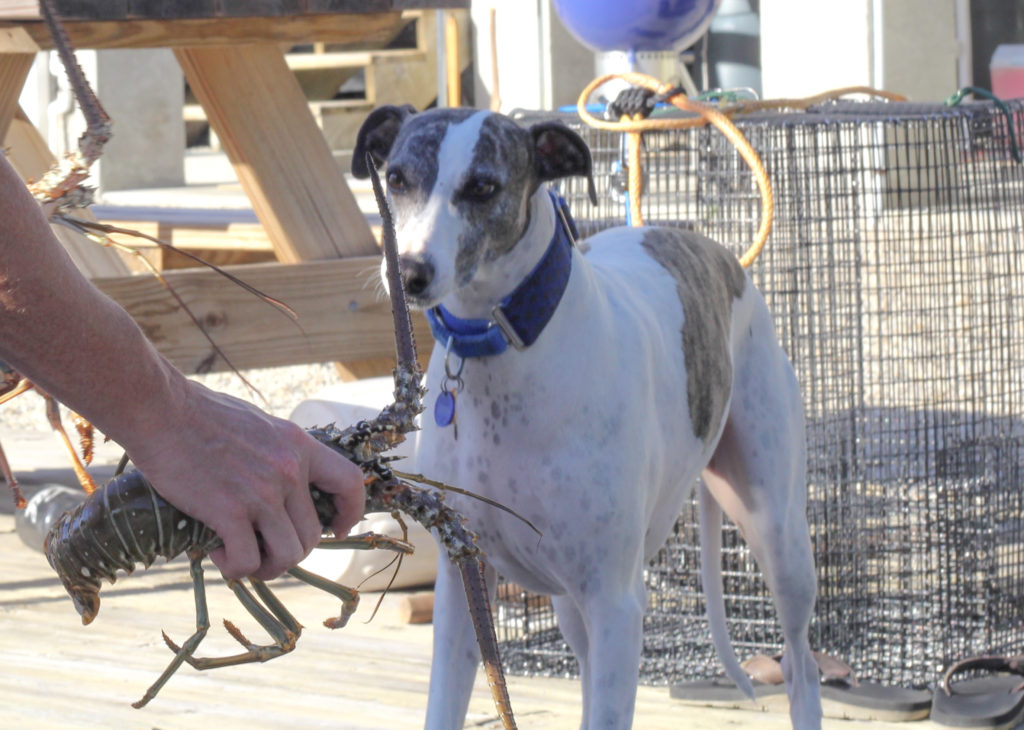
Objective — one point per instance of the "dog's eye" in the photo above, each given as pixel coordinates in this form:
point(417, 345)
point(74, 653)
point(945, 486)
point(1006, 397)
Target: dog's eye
point(396, 180)
point(479, 190)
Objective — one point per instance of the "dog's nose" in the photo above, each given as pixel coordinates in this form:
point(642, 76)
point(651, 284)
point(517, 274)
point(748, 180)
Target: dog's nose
point(417, 273)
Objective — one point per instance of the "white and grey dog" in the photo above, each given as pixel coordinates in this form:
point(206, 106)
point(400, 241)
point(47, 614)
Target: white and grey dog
point(588, 392)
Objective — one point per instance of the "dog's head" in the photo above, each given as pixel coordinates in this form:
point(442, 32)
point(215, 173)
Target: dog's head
point(459, 183)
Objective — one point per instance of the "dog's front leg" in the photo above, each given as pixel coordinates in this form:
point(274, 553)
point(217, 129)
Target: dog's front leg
point(456, 653)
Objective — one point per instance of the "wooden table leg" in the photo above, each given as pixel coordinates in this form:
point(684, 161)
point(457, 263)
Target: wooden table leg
point(15, 61)
point(262, 118)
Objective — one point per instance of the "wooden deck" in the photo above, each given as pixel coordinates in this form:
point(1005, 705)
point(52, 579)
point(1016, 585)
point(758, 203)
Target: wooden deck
point(367, 676)
point(58, 673)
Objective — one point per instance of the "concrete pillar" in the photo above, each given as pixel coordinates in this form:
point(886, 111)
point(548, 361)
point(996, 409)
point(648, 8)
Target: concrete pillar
point(920, 48)
point(143, 92)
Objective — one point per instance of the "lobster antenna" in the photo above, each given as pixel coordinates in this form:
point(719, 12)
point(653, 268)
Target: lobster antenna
point(405, 343)
point(97, 122)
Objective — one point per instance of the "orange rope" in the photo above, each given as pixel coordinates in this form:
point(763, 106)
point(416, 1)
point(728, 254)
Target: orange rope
point(706, 115)
point(635, 178)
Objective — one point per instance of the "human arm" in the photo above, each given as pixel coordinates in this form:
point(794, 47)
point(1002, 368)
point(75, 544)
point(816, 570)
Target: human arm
point(216, 458)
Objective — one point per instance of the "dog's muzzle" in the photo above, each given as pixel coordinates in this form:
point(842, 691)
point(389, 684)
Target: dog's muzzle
point(417, 274)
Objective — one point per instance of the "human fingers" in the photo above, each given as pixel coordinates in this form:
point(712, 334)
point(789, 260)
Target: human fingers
point(334, 474)
point(267, 531)
point(299, 506)
point(240, 556)
point(281, 547)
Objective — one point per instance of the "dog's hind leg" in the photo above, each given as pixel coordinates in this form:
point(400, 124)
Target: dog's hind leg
point(758, 475)
point(778, 537)
point(456, 654)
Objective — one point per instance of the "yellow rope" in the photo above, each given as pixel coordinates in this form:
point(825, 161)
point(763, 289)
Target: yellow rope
point(634, 127)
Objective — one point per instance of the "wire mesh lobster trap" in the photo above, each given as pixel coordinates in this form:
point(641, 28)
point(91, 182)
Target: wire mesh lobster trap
point(895, 280)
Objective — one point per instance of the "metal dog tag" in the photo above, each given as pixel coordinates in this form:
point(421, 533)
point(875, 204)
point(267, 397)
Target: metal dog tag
point(444, 408)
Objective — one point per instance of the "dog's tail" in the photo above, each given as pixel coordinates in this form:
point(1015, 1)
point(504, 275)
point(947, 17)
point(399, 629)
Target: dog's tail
point(711, 578)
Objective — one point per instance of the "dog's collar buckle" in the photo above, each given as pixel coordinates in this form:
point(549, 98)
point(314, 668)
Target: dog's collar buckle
point(519, 318)
point(499, 320)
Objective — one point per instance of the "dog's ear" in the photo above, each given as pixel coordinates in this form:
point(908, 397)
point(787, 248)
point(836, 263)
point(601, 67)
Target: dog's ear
point(377, 135)
point(560, 152)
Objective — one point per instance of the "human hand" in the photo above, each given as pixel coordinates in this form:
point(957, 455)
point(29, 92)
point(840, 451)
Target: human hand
point(218, 459)
point(246, 475)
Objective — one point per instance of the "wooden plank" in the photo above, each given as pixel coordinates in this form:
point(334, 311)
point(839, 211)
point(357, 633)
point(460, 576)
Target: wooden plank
point(17, 40)
point(351, 59)
point(196, 236)
point(389, 80)
point(173, 9)
point(280, 156)
point(341, 314)
point(193, 229)
point(232, 243)
point(26, 149)
point(31, 157)
point(453, 66)
point(18, 9)
point(14, 67)
point(353, 31)
point(321, 109)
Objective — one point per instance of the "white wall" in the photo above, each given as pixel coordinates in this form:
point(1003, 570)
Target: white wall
point(905, 46)
point(808, 46)
point(540, 65)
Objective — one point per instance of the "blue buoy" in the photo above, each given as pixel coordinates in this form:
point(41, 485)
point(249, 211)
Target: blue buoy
point(636, 25)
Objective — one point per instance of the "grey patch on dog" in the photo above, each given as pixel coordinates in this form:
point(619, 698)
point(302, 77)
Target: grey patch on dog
point(708, 279)
point(415, 154)
point(502, 155)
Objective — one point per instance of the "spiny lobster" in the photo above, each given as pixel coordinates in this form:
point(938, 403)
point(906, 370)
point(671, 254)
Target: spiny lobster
point(127, 522)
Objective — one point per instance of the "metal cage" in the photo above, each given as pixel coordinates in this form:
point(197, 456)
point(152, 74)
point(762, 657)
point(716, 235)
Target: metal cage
point(894, 278)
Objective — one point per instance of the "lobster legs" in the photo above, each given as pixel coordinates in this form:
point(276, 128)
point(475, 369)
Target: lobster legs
point(474, 582)
point(266, 609)
point(202, 626)
point(274, 618)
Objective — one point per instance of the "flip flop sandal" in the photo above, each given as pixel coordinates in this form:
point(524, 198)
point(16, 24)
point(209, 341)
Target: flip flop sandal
point(765, 674)
point(871, 701)
point(723, 692)
point(843, 696)
point(995, 700)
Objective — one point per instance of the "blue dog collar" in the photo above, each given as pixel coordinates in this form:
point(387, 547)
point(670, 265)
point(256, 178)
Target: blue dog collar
point(520, 317)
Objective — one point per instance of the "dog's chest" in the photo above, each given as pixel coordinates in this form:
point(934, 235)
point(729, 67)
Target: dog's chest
point(559, 468)
point(586, 432)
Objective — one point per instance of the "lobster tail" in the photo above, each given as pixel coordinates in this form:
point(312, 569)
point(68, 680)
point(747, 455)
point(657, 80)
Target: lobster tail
point(79, 580)
point(118, 526)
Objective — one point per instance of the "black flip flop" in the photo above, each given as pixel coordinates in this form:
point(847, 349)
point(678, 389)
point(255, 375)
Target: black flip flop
point(843, 696)
point(765, 675)
point(871, 701)
point(723, 692)
point(994, 700)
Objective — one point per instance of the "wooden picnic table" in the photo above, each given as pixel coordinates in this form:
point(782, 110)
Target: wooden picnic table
point(231, 54)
